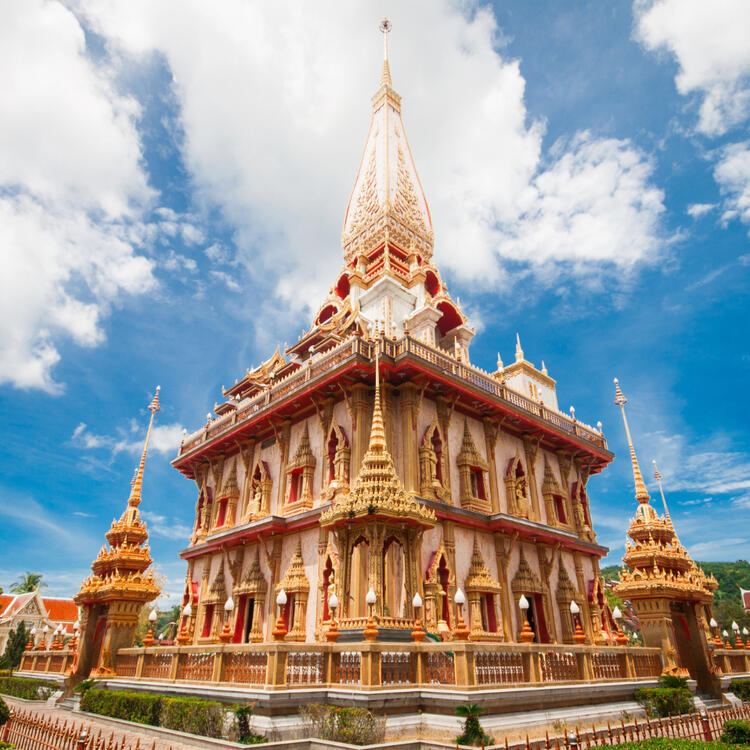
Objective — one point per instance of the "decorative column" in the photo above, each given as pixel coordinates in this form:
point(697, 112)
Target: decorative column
point(410, 402)
point(491, 432)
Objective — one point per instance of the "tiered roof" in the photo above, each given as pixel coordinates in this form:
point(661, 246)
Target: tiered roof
point(120, 571)
point(656, 563)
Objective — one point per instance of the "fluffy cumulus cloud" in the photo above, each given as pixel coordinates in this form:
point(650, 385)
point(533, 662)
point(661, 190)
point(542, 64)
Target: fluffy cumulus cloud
point(275, 108)
point(71, 185)
point(709, 42)
point(732, 173)
point(165, 439)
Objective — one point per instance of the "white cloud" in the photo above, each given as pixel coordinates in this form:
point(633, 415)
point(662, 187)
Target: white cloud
point(698, 210)
point(709, 42)
point(715, 548)
point(275, 110)
point(168, 528)
point(71, 186)
point(732, 174)
point(165, 439)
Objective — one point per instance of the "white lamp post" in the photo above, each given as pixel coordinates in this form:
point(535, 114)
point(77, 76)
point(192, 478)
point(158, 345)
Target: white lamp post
point(370, 632)
point(332, 633)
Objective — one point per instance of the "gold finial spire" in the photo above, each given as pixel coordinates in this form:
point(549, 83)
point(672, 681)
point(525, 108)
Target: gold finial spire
point(135, 495)
point(519, 351)
point(641, 493)
point(385, 79)
point(657, 477)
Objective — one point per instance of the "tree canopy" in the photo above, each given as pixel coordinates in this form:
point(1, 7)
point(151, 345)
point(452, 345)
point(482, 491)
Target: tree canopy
point(27, 583)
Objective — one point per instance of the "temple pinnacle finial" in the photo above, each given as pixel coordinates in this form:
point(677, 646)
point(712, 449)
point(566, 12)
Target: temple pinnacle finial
point(519, 351)
point(641, 493)
point(657, 477)
point(135, 495)
point(377, 431)
point(385, 27)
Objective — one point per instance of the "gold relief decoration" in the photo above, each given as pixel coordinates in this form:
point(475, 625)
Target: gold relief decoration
point(259, 491)
point(217, 593)
point(516, 486)
point(473, 475)
point(253, 582)
point(295, 583)
point(433, 465)
point(377, 491)
point(525, 580)
point(299, 473)
point(479, 578)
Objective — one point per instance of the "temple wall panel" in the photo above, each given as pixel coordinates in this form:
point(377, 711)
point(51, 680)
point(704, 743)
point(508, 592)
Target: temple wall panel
point(272, 456)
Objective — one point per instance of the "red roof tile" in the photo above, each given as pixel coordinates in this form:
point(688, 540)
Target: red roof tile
point(5, 600)
point(61, 610)
point(18, 601)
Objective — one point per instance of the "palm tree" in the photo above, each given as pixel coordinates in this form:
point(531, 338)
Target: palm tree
point(27, 583)
point(473, 733)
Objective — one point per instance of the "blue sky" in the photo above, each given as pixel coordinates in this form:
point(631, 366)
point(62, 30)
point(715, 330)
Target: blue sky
point(173, 180)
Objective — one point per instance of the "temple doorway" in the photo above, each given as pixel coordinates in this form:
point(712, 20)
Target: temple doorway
point(394, 578)
point(359, 578)
point(691, 653)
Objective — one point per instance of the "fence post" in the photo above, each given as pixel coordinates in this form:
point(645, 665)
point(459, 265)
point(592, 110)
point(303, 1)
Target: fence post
point(83, 739)
point(217, 674)
point(707, 735)
point(139, 664)
point(174, 665)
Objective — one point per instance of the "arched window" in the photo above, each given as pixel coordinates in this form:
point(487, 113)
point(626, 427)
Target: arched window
point(332, 445)
point(437, 447)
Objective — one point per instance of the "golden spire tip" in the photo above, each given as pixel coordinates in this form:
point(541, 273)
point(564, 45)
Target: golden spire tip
point(385, 27)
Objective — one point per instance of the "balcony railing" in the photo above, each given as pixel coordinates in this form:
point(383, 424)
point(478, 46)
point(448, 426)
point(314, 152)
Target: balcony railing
point(434, 665)
point(359, 347)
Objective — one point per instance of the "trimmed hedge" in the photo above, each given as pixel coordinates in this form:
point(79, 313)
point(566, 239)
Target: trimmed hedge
point(356, 726)
point(28, 689)
point(665, 701)
point(142, 708)
point(741, 688)
point(4, 712)
point(736, 732)
point(191, 715)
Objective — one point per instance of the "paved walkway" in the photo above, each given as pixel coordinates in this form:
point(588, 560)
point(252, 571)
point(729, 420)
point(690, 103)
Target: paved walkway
point(132, 734)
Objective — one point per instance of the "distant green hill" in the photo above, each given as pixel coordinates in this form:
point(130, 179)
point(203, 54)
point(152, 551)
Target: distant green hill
point(730, 575)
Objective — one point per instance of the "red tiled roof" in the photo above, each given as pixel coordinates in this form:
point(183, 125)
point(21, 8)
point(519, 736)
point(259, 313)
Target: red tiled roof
point(5, 600)
point(61, 610)
point(18, 601)
point(745, 599)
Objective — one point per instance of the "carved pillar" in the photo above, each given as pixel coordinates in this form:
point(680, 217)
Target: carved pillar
point(410, 401)
point(531, 448)
point(546, 557)
point(283, 433)
point(444, 415)
point(503, 549)
point(491, 431)
point(247, 455)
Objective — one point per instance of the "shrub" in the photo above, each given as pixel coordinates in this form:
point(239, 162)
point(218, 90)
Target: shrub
point(736, 732)
point(741, 688)
point(191, 715)
point(665, 701)
point(473, 733)
point(85, 685)
point(142, 708)
point(671, 743)
point(194, 716)
point(672, 681)
point(28, 689)
point(245, 736)
point(357, 726)
point(4, 712)
point(6, 746)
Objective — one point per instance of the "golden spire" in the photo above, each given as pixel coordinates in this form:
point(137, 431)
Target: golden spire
point(377, 488)
point(641, 493)
point(385, 79)
point(519, 351)
point(135, 494)
point(657, 477)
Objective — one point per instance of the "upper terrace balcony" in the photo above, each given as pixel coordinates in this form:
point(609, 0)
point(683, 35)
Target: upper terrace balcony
point(407, 356)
